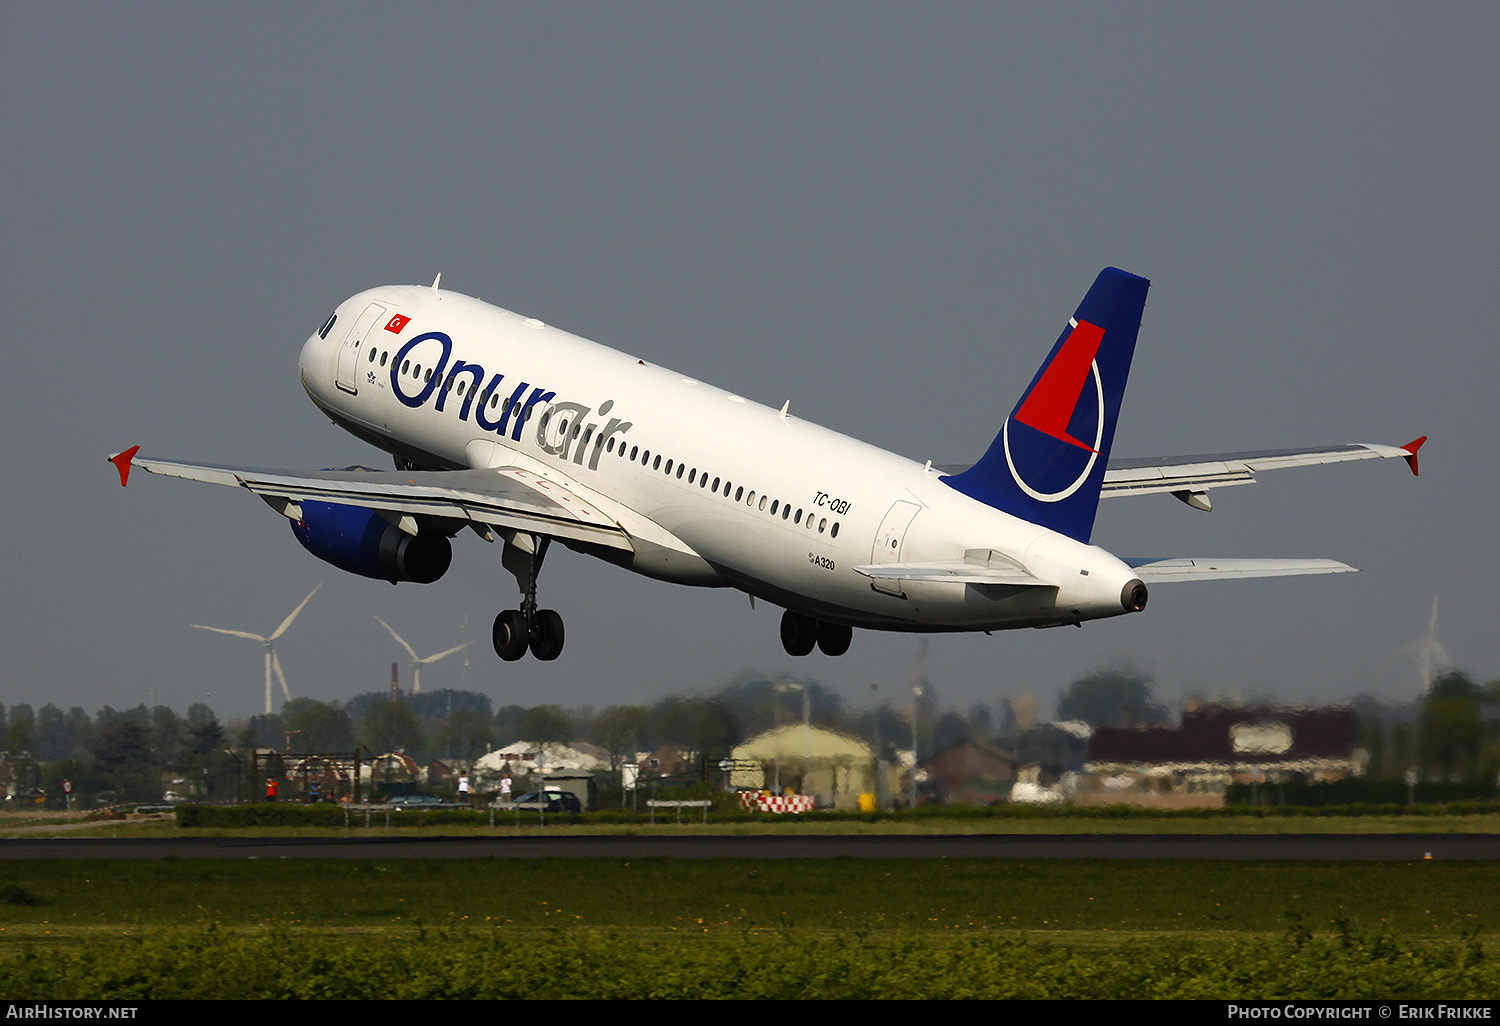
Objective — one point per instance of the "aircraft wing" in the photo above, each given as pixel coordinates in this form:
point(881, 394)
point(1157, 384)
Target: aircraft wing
point(504, 497)
point(1182, 568)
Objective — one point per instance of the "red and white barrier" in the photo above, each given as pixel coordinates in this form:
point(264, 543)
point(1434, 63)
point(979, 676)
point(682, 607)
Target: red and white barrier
point(764, 801)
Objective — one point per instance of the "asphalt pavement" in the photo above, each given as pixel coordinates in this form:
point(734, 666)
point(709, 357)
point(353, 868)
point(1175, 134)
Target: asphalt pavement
point(1308, 847)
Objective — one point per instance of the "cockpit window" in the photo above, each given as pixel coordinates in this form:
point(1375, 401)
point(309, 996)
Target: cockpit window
point(326, 328)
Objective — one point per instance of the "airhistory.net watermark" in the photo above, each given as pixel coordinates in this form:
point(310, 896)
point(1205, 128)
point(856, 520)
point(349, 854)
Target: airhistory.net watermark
point(39, 1010)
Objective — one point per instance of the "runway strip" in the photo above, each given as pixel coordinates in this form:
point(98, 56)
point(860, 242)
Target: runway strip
point(1310, 847)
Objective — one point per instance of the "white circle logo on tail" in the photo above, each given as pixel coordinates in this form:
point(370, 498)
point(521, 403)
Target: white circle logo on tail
point(1093, 450)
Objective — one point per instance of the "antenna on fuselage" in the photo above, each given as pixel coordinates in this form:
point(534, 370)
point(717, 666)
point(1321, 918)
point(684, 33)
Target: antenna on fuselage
point(436, 280)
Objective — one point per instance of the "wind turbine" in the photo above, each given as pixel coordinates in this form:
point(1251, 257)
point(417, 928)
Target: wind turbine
point(418, 662)
point(1431, 655)
point(269, 643)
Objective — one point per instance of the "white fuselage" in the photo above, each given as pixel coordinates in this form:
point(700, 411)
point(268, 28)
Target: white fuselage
point(770, 504)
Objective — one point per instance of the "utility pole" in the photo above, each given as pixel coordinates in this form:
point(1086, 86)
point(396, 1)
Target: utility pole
point(916, 693)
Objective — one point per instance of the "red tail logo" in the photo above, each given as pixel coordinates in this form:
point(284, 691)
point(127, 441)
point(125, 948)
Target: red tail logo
point(1051, 403)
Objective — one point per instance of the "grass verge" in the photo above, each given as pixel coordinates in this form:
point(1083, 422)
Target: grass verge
point(834, 928)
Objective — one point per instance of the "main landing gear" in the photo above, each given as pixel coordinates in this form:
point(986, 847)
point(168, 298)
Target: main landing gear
point(800, 633)
point(517, 630)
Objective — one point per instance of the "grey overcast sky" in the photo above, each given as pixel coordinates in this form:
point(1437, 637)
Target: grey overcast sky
point(882, 212)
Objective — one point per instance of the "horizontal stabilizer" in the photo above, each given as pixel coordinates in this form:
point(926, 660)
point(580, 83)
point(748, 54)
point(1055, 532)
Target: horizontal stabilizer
point(951, 571)
point(1182, 568)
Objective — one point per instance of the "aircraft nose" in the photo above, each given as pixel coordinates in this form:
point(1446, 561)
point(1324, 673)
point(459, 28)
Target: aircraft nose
point(306, 358)
point(313, 362)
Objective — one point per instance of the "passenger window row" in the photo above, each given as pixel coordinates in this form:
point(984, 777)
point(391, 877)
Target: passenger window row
point(736, 493)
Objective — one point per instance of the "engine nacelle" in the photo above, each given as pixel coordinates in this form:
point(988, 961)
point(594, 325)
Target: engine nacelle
point(363, 542)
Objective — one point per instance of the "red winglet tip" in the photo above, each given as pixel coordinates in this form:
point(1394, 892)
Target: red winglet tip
point(121, 460)
point(1412, 447)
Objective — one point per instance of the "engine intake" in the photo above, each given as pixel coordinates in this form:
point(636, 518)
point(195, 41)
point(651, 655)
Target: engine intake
point(361, 541)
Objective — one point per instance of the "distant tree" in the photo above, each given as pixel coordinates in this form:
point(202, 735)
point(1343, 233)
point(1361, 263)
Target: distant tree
point(204, 733)
point(466, 734)
point(210, 768)
point(1006, 725)
point(618, 730)
point(716, 730)
point(1111, 698)
point(440, 704)
point(265, 731)
point(1451, 732)
point(950, 729)
point(361, 704)
point(20, 730)
point(123, 758)
point(1401, 749)
point(391, 726)
point(670, 721)
point(547, 725)
point(981, 723)
point(168, 744)
point(703, 725)
point(508, 723)
point(583, 717)
point(1455, 684)
point(57, 732)
point(320, 726)
point(759, 703)
point(84, 778)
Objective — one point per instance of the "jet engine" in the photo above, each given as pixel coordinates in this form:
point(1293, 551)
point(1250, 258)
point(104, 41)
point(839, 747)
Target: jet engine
point(361, 541)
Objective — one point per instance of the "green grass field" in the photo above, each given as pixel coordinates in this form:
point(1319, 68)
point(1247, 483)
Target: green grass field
point(820, 896)
point(826, 928)
point(738, 928)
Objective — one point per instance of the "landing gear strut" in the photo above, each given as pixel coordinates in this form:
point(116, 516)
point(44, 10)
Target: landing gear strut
point(516, 630)
point(800, 633)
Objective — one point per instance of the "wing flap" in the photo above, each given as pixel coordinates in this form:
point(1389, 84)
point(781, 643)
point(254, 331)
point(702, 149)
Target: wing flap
point(952, 571)
point(505, 497)
point(1154, 570)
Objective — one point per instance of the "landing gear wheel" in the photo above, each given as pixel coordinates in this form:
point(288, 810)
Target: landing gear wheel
point(834, 638)
point(510, 635)
point(547, 635)
point(798, 633)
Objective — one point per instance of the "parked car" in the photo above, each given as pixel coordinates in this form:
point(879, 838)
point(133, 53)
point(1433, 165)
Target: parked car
point(556, 801)
point(401, 802)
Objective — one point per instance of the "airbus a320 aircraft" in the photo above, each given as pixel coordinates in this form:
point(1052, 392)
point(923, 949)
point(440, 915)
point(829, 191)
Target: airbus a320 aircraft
point(527, 434)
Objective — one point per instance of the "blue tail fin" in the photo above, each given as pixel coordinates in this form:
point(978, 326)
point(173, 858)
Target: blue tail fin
point(1047, 463)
